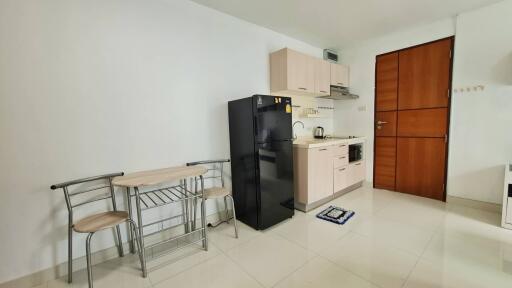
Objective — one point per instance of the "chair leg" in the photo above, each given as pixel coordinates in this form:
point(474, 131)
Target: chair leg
point(203, 224)
point(119, 242)
point(194, 222)
point(226, 209)
point(133, 226)
point(234, 214)
point(88, 257)
point(70, 254)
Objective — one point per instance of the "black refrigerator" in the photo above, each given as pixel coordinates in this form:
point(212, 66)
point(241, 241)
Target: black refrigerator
point(260, 134)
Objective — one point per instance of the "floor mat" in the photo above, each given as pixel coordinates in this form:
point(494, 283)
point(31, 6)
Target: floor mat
point(335, 214)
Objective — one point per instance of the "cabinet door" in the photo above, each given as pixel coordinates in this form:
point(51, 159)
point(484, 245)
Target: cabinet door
point(508, 218)
point(340, 179)
point(339, 75)
point(300, 72)
point(424, 76)
point(322, 77)
point(321, 169)
point(340, 161)
point(355, 173)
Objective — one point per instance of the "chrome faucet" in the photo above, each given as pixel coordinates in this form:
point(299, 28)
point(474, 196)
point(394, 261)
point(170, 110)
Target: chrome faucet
point(293, 128)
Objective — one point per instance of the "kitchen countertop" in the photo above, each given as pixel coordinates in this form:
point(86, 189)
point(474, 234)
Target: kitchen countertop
point(307, 142)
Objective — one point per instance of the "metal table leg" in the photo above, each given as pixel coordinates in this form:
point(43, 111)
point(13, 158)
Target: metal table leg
point(187, 227)
point(131, 239)
point(203, 215)
point(141, 232)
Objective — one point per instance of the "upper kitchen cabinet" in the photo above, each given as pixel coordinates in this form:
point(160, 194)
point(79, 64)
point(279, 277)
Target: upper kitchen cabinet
point(339, 75)
point(322, 77)
point(292, 73)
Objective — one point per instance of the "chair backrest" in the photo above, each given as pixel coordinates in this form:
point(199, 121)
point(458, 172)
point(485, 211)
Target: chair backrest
point(215, 170)
point(88, 190)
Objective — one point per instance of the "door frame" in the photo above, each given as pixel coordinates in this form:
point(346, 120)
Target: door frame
point(449, 108)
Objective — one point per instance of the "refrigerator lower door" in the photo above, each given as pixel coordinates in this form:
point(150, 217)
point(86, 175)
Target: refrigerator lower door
point(275, 167)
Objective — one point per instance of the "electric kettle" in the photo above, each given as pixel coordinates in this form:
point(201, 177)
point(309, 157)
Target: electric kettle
point(319, 132)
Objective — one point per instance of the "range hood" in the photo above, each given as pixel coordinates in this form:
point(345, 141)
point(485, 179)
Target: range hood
point(340, 93)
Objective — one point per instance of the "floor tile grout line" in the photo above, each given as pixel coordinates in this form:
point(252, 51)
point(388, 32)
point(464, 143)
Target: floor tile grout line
point(189, 268)
point(293, 272)
point(350, 272)
point(387, 245)
point(418, 260)
point(243, 269)
point(275, 234)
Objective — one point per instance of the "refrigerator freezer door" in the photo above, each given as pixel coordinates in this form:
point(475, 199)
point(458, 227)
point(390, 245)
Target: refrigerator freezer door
point(275, 167)
point(273, 118)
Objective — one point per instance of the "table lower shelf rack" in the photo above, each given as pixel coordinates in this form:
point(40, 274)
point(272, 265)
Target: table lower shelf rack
point(165, 196)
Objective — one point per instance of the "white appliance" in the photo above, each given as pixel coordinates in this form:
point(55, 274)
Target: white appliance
point(506, 216)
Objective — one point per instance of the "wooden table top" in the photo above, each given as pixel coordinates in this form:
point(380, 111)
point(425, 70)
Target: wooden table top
point(158, 176)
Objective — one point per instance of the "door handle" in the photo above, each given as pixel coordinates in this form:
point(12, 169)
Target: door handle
point(381, 122)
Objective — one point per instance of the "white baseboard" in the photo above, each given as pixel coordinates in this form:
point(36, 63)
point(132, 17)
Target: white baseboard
point(79, 263)
point(486, 206)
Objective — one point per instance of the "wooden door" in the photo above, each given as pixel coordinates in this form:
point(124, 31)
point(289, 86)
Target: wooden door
point(386, 95)
point(322, 77)
point(412, 90)
point(386, 82)
point(424, 76)
point(421, 164)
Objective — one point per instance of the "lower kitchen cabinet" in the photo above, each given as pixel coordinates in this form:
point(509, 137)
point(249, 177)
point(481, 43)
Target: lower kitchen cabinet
point(340, 178)
point(321, 178)
point(355, 173)
point(320, 173)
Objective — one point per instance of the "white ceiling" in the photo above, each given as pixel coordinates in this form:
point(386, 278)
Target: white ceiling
point(339, 23)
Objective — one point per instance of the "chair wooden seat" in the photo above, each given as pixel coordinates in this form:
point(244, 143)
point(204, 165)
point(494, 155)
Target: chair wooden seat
point(216, 192)
point(100, 221)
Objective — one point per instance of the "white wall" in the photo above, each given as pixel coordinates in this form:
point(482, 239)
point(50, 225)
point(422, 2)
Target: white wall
point(480, 138)
point(90, 87)
point(355, 117)
point(481, 131)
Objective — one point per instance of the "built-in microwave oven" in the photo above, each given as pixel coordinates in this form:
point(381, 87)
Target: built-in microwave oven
point(355, 152)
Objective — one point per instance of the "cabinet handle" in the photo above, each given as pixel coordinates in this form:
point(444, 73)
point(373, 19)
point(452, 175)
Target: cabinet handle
point(343, 157)
point(342, 146)
point(324, 149)
point(342, 169)
point(340, 83)
point(323, 91)
point(302, 88)
point(358, 163)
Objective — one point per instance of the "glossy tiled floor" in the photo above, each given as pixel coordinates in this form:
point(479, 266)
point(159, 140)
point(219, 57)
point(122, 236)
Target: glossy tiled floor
point(395, 240)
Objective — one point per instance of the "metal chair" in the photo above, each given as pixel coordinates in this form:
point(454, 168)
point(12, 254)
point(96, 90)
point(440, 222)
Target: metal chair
point(94, 223)
point(216, 174)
